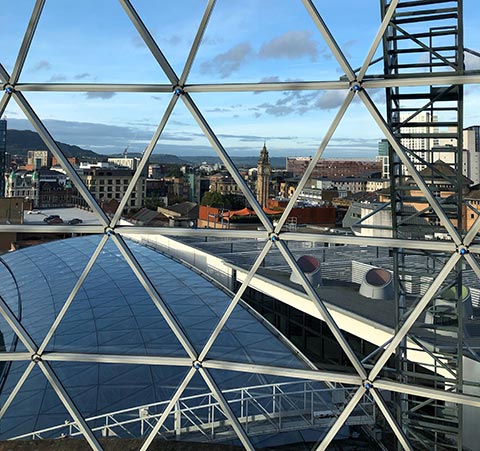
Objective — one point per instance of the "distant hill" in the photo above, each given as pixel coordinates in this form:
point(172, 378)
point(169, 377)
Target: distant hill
point(19, 142)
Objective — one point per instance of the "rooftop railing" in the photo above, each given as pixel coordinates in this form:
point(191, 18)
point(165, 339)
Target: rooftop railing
point(261, 409)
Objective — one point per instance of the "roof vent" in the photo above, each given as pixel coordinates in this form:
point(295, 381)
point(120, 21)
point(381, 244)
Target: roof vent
point(377, 283)
point(311, 268)
point(442, 315)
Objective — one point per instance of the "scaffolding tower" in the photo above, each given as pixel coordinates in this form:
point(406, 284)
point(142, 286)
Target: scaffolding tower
point(424, 38)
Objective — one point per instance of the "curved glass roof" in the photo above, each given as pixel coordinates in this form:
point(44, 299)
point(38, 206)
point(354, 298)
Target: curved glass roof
point(112, 314)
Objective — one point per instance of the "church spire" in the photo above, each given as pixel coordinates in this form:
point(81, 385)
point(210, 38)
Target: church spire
point(264, 158)
point(263, 176)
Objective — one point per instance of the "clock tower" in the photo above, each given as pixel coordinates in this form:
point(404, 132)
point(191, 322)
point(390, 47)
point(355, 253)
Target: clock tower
point(263, 177)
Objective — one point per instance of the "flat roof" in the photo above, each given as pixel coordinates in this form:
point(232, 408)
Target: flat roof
point(273, 279)
point(38, 215)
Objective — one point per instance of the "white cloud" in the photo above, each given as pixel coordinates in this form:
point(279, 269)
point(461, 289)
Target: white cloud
point(228, 62)
point(99, 95)
point(42, 65)
point(291, 45)
point(55, 78)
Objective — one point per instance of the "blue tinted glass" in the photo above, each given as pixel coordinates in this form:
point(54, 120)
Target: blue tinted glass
point(113, 314)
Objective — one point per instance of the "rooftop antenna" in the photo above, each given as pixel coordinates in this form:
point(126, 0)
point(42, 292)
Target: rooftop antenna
point(125, 152)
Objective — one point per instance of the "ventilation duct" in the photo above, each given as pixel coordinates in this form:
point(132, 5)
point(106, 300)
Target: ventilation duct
point(377, 283)
point(311, 268)
point(442, 315)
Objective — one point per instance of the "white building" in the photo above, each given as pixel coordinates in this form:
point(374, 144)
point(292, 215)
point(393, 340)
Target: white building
point(422, 144)
point(131, 163)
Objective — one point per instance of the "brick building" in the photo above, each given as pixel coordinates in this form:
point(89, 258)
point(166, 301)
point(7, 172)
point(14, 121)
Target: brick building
point(332, 168)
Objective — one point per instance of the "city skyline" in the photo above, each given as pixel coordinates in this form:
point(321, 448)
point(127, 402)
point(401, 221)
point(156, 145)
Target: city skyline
point(291, 122)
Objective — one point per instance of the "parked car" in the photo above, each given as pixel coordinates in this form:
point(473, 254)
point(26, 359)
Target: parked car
point(34, 212)
point(75, 221)
point(50, 217)
point(56, 220)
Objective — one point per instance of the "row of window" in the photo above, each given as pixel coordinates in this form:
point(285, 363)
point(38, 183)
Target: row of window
point(91, 182)
point(118, 197)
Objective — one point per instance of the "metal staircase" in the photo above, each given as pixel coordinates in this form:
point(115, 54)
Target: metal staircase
point(424, 38)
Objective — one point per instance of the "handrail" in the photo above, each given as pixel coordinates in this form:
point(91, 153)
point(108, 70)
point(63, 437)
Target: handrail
point(260, 408)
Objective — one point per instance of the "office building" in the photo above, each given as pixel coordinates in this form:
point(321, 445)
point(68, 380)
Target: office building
point(110, 183)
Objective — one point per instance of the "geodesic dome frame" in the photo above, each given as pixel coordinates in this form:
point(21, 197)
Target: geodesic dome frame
point(461, 247)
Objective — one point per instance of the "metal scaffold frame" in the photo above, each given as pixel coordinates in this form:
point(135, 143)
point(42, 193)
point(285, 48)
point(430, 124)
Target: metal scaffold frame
point(461, 247)
point(420, 118)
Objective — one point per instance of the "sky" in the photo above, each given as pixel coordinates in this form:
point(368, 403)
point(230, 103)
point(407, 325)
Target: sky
point(245, 41)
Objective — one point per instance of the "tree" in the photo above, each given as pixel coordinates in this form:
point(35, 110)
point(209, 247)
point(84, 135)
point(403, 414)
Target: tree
point(211, 198)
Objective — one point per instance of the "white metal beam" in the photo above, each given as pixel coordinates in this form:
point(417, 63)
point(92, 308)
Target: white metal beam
point(228, 412)
point(69, 404)
point(413, 316)
point(144, 161)
point(15, 356)
point(399, 150)
point(234, 301)
point(377, 82)
point(313, 163)
point(73, 293)
point(429, 245)
point(227, 161)
point(312, 374)
point(16, 389)
point(329, 39)
point(340, 421)
point(173, 400)
point(149, 41)
point(196, 42)
point(54, 229)
point(4, 102)
point(378, 38)
point(155, 296)
point(125, 359)
point(426, 392)
point(27, 40)
point(327, 317)
point(57, 152)
point(396, 428)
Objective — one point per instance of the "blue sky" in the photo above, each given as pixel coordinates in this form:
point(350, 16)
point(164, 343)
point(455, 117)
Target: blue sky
point(246, 41)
